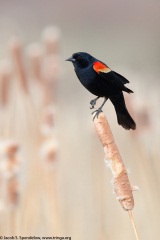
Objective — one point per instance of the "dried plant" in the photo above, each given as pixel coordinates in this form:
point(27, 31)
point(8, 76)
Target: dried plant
point(121, 182)
point(29, 119)
point(4, 83)
point(16, 54)
point(51, 37)
point(10, 169)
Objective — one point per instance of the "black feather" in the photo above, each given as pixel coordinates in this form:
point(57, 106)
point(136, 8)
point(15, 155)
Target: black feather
point(109, 84)
point(123, 79)
point(123, 117)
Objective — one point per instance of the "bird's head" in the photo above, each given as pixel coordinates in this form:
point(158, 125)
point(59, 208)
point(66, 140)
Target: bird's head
point(81, 59)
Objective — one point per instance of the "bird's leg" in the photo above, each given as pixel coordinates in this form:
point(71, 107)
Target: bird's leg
point(93, 102)
point(99, 110)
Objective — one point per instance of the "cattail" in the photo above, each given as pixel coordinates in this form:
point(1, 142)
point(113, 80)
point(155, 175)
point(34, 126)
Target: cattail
point(10, 167)
point(35, 54)
point(35, 57)
point(47, 127)
point(121, 182)
point(48, 150)
point(4, 82)
point(50, 72)
point(48, 157)
point(50, 69)
point(16, 54)
point(51, 37)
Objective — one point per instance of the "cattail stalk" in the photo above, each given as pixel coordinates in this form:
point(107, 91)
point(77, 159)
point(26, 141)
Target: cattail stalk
point(16, 53)
point(121, 182)
point(48, 157)
point(133, 224)
point(51, 39)
point(4, 84)
point(35, 55)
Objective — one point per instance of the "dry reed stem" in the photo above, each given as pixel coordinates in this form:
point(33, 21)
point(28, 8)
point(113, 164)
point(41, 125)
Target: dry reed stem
point(121, 182)
point(51, 37)
point(4, 83)
point(35, 57)
point(48, 157)
point(16, 53)
point(133, 224)
point(50, 73)
point(47, 126)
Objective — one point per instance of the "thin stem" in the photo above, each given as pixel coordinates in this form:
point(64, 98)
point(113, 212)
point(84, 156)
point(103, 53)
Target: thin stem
point(133, 224)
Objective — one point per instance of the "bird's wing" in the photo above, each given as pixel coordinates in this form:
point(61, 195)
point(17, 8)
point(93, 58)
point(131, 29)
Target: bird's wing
point(113, 78)
point(123, 79)
point(100, 67)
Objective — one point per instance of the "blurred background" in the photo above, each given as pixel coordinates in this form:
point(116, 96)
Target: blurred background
point(53, 179)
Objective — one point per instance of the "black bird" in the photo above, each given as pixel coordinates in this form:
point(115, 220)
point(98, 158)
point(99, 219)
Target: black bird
point(101, 81)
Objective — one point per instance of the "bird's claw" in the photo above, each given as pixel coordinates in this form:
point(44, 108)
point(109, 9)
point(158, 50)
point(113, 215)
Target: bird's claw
point(93, 103)
point(98, 111)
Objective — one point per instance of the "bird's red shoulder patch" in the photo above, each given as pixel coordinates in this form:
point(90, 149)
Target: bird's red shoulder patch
point(100, 67)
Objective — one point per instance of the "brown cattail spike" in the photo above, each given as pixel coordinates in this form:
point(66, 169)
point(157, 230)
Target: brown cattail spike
point(10, 168)
point(121, 182)
point(35, 54)
point(16, 52)
point(4, 82)
point(49, 150)
point(51, 36)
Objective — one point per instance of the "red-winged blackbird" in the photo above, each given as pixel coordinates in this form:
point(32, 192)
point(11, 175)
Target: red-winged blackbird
point(101, 81)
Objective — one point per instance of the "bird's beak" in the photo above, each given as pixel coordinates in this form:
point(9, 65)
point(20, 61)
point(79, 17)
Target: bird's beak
point(71, 59)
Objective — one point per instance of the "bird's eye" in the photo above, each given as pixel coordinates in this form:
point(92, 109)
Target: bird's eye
point(77, 58)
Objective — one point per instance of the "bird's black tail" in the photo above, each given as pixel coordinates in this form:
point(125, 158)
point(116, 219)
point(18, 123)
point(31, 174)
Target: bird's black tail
point(123, 117)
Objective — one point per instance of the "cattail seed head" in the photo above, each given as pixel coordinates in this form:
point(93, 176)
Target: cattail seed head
point(16, 54)
point(48, 150)
point(51, 37)
point(121, 182)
